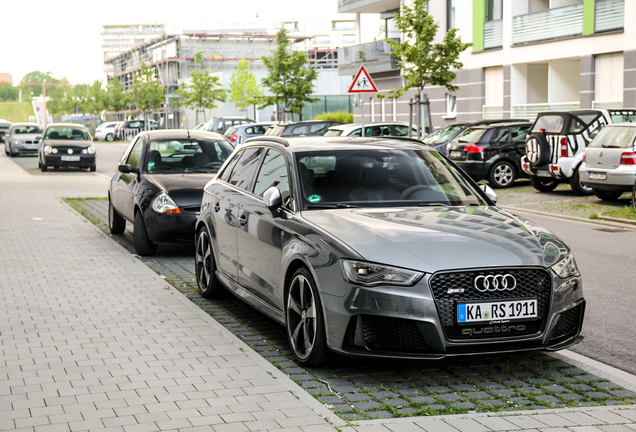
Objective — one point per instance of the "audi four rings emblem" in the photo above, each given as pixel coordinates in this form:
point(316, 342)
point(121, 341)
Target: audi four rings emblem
point(500, 282)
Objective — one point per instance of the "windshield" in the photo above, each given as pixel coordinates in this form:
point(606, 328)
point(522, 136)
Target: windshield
point(66, 133)
point(181, 156)
point(20, 130)
point(334, 132)
point(363, 178)
point(470, 135)
point(444, 134)
point(614, 137)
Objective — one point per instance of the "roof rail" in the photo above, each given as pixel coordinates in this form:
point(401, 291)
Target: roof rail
point(275, 139)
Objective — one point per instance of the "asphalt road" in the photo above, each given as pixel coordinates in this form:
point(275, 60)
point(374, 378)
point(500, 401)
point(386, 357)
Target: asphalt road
point(108, 155)
point(605, 257)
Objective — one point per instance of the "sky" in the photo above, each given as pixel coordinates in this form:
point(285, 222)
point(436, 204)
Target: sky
point(63, 36)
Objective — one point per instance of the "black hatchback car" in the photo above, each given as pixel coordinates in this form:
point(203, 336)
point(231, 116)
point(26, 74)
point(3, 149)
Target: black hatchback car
point(442, 136)
point(302, 128)
point(491, 152)
point(159, 184)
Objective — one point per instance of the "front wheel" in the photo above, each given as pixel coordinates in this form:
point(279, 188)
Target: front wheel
point(205, 266)
point(116, 223)
point(304, 321)
point(502, 175)
point(92, 168)
point(543, 184)
point(578, 187)
point(143, 245)
point(606, 195)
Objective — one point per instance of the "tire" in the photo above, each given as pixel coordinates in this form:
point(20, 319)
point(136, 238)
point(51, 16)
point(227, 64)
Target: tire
point(578, 187)
point(304, 321)
point(205, 266)
point(502, 175)
point(43, 168)
point(93, 168)
point(116, 223)
point(543, 184)
point(11, 153)
point(634, 196)
point(537, 150)
point(110, 137)
point(143, 245)
point(606, 195)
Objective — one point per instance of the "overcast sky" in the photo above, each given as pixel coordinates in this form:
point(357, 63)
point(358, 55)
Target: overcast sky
point(63, 37)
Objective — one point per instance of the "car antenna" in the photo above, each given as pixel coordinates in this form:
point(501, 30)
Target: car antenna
point(188, 133)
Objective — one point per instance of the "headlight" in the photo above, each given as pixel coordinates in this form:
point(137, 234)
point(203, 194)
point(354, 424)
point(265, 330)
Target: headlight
point(47, 149)
point(16, 142)
point(373, 274)
point(566, 267)
point(163, 204)
point(54, 151)
point(91, 150)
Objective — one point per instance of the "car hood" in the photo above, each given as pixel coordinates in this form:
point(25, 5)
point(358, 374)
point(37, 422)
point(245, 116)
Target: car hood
point(185, 189)
point(438, 238)
point(67, 143)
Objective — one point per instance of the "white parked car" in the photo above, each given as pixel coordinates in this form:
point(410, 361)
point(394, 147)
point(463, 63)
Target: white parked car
point(609, 163)
point(106, 131)
point(372, 129)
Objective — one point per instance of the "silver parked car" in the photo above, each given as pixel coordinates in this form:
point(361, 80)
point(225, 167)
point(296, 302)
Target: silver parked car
point(609, 162)
point(22, 138)
point(381, 247)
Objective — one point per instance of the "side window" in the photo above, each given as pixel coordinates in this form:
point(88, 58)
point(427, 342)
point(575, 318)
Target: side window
point(135, 154)
point(250, 130)
point(318, 129)
point(299, 130)
point(519, 133)
point(356, 133)
point(501, 135)
point(576, 126)
point(273, 173)
point(228, 168)
point(245, 168)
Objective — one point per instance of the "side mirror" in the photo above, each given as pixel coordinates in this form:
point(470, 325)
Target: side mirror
point(38, 138)
point(272, 198)
point(492, 196)
point(127, 169)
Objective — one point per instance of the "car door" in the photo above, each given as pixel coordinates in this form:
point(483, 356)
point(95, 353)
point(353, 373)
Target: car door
point(260, 233)
point(125, 185)
point(227, 195)
point(518, 142)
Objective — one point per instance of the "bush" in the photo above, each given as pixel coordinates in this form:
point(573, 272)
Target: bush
point(342, 116)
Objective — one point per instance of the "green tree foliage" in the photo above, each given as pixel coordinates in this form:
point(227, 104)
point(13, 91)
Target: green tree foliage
point(8, 92)
point(37, 77)
point(146, 93)
point(116, 99)
point(343, 116)
point(244, 90)
point(422, 61)
point(203, 91)
point(85, 98)
point(289, 80)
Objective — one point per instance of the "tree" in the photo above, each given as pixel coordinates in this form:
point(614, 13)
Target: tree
point(8, 92)
point(422, 61)
point(116, 99)
point(37, 77)
point(244, 90)
point(203, 91)
point(289, 81)
point(146, 92)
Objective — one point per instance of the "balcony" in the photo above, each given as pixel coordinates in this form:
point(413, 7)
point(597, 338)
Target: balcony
point(550, 24)
point(367, 6)
point(375, 56)
point(491, 112)
point(530, 111)
point(493, 34)
point(609, 15)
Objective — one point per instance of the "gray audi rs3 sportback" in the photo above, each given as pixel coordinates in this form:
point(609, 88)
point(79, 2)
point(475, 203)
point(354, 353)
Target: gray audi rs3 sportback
point(381, 247)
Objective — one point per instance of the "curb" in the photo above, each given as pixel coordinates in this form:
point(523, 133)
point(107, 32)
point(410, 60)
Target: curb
point(602, 220)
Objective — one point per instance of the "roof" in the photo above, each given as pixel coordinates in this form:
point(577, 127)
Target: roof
point(348, 125)
point(75, 125)
point(26, 124)
point(317, 143)
point(502, 124)
point(182, 133)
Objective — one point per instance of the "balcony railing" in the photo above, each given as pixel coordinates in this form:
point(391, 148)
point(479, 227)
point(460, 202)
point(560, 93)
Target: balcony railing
point(493, 34)
point(548, 24)
point(530, 111)
point(490, 112)
point(609, 15)
point(376, 57)
point(607, 104)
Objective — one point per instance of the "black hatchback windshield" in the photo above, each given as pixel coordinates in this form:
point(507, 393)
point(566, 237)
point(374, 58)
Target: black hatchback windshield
point(359, 178)
point(182, 156)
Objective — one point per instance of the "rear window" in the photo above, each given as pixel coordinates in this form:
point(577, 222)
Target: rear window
point(470, 135)
point(333, 132)
point(230, 131)
point(615, 137)
point(275, 131)
point(444, 134)
point(549, 123)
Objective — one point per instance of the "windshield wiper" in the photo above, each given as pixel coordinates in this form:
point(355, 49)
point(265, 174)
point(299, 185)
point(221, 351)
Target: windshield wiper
point(610, 146)
point(426, 204)
point(331, 206)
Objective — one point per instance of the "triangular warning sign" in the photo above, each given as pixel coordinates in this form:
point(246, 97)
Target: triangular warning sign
point(362, 83)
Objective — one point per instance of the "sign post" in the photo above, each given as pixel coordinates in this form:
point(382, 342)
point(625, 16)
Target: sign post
point(362, 83)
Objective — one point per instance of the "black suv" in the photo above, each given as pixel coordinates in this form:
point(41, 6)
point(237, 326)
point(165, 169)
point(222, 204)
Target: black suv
point(442, 136)
point(491, 152)
point(302, 128)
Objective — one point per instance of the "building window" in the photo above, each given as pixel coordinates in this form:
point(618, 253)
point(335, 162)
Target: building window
point(608, 78)
point(450, 14)
point(494, 9)
point(290, 26)
point(451, 106)
point(343, 25)
point(391, 30)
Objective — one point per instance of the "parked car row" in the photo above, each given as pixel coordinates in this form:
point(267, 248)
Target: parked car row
point(332, 238)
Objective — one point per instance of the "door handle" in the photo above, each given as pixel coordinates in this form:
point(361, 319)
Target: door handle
point(242, 220)
point(217, 207)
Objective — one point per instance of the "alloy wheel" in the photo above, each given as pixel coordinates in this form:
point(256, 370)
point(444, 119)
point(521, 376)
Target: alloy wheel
point(503, 175)
point(301, 317)
point(203, 253)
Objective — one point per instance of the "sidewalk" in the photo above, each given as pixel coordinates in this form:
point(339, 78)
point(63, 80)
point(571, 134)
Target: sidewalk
point(92, 339)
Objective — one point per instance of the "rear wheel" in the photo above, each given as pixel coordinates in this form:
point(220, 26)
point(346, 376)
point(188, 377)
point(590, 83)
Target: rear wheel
point(543, 184)
point(205, 266)
point(116, 223)
point(634, 196)
point(304, 321)
point(502, 175)
point(578, 187)
point(143, 245)
point(110, 137)
point(606, 195)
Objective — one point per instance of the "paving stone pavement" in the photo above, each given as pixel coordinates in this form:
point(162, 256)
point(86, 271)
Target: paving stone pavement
point(91, 339)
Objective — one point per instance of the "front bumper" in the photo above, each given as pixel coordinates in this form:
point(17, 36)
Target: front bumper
point(170, 228)
point(24, 148)
point(621, 178)
point(412, 322)
point(55, 160)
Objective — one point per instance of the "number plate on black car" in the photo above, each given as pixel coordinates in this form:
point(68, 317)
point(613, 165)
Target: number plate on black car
point(497, 310)
point(70, 158)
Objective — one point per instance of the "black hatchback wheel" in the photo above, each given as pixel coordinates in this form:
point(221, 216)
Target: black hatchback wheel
point(205, 266)
point(116, 223)
point(143, 245)
point(304, 321)
point(502, 175)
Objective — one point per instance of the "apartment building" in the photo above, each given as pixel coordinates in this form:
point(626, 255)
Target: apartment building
point(527, 56)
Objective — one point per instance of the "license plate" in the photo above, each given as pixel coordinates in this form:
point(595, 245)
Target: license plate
point(70, 158)
point(497, 310)
point(456, 154)
point(597, 176)
point(544, 174)
point(32, 146)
